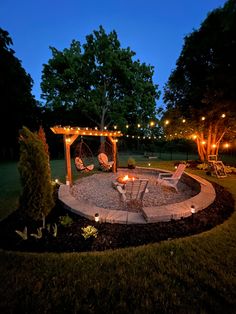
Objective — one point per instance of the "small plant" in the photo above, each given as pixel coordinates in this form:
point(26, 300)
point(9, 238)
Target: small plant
point(37, 235)
point(229, 169)
point(53, 229)
point(66, 220)
point(23, 234)
point(131, 163)
point(89, 231)
point(203, 166)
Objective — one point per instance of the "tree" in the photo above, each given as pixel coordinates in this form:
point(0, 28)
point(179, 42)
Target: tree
point(17, 103)
point(36, 200)
point(201, 92)
point(101, 80)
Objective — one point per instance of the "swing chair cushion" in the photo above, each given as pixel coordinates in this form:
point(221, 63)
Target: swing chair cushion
point(80, 165)
point(103, 161)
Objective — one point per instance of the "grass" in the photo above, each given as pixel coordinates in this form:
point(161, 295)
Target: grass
point(189, 275)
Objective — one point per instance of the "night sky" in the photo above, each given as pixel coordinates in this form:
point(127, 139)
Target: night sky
point(154, 29)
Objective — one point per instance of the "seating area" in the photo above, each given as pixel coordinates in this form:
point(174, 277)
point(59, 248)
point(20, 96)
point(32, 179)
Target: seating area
point(132, 193)
point(80, 166)
point(104, 163)
point(171, 179)
point(216, 167)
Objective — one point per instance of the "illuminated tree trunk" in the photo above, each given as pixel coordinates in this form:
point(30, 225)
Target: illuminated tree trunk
point(209, 145)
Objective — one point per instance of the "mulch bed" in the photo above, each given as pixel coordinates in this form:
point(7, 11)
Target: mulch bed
point(110, 236)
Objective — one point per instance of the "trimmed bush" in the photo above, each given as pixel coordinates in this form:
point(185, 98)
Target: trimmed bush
point(36, 200)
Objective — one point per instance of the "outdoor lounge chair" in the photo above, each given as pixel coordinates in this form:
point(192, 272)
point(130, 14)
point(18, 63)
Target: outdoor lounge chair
point(170, 178)
point(104, 163)
point(132, 192)
point(216, 167)
point(80, 166)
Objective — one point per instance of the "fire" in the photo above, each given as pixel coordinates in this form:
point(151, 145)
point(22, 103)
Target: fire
point(125, 178)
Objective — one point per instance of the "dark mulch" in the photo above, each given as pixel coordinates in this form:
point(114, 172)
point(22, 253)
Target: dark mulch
point(110, 236)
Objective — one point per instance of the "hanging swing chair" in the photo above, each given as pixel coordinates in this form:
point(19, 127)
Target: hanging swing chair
point(83, 157)
point(105, 156)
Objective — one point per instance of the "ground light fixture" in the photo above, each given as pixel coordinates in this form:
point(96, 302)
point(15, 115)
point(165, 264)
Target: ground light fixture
point(193, 209)
point(96, 217)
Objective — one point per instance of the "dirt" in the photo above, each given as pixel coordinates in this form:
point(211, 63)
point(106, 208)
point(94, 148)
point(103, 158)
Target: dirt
point(69, 238)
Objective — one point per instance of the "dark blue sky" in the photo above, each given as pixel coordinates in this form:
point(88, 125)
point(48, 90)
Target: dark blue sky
point(154, 29)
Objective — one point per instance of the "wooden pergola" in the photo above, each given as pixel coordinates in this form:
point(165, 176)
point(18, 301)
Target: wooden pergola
point(70, 134)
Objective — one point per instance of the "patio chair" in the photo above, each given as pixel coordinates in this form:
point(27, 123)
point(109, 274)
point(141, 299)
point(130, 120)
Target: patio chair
point(80, 166)
point(104, 163)
point(171, 178)
point(132, 192)
point(216, 167)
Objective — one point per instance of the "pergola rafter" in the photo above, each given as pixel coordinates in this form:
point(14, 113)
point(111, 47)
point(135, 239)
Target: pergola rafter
point(70, 134)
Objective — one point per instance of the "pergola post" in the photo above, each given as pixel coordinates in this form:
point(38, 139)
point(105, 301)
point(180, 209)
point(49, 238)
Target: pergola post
point(114, 153)
point(68, 141)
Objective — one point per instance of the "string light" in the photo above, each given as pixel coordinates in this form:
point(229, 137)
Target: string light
point(167, 122)
point(203, 142)
point(183, 120)
point(139, 125)
point(127, 126)
point(152, 123)
point(223, 115)
point(115, 127)
point(203, 118)
point(214, 145)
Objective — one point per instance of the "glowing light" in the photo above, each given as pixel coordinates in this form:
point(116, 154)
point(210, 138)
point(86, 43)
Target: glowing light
point(96, 217)
point(214, 145)
point(193, 209)
point(167, 122)
point(105, 127)
point(96, 128)
point(203, 118)
point(183, 120)
point(152, 123)
point(194, 137)
point(223, 115)
point(203, 142)
point(127, 126)
point(149, 164)
point(139, 125)
point(226, 145)
point(115, 127)
point(56, 180)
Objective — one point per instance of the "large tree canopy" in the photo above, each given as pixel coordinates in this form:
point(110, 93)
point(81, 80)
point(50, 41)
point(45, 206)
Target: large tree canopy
point(102, 80)
point(17, 103)
point(201, 92)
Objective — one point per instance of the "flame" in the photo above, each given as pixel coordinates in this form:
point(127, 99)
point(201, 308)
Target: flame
point(126, 178)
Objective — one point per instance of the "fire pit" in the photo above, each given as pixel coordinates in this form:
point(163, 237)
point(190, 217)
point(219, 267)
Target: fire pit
point(125, 178)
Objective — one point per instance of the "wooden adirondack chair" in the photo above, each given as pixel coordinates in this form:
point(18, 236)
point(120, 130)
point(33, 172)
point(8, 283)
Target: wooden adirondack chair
point(216, 166)
point(132, 193)
point(104, 163)
point(171, 178)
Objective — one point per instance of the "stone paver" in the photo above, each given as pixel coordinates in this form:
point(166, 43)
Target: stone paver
point(148, 214)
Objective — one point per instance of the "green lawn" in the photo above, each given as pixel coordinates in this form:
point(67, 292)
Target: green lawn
point(190, 275)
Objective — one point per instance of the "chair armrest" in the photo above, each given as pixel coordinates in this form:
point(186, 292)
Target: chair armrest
point(166, 174)
point(171, 179)
point(120, 189)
